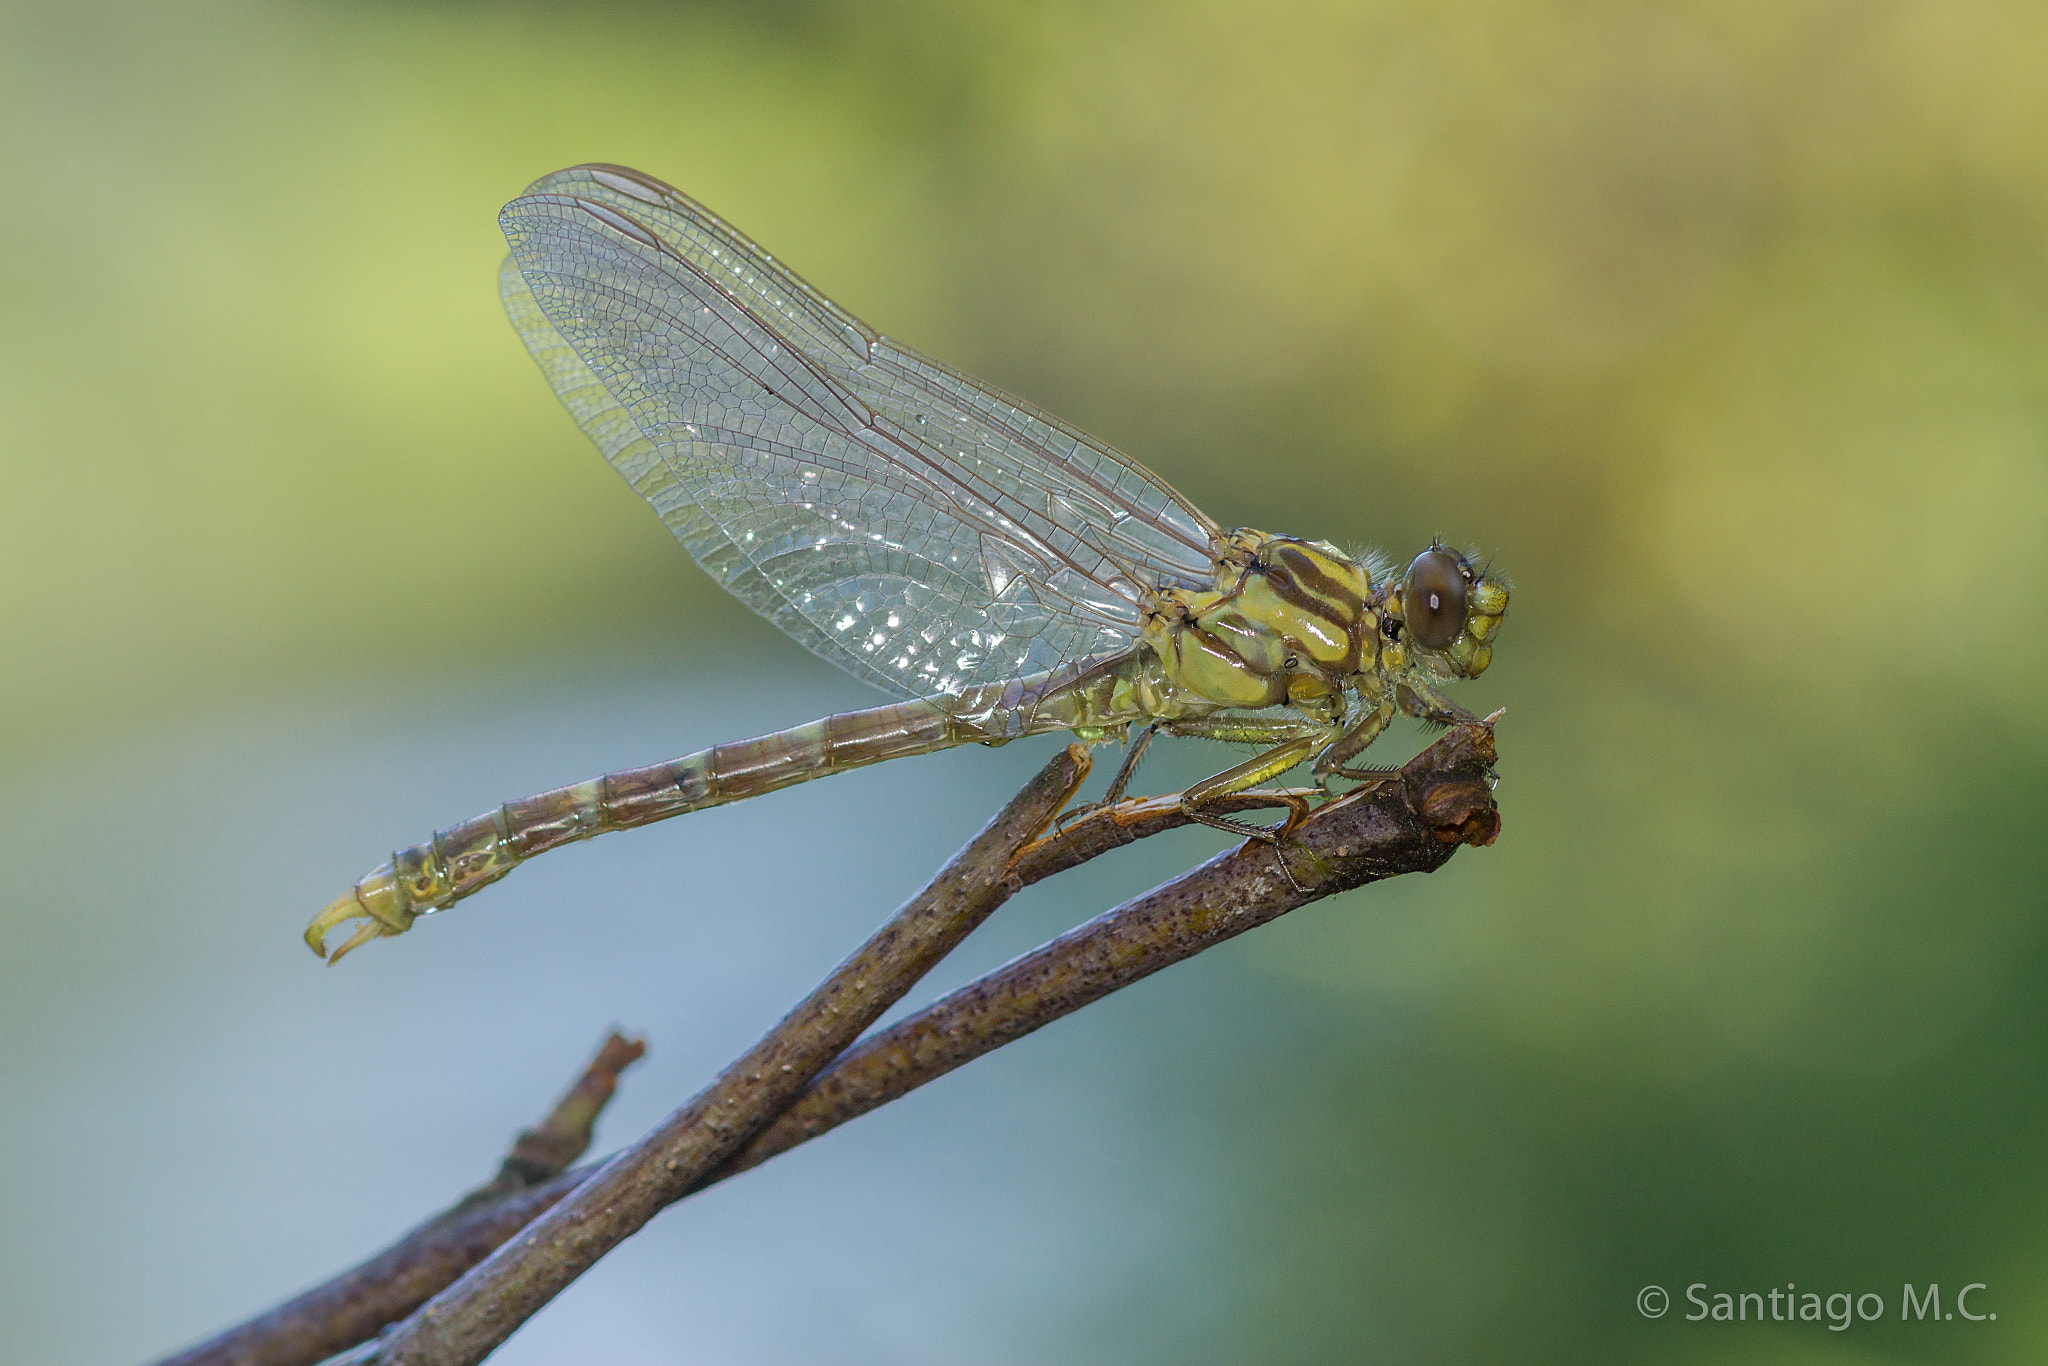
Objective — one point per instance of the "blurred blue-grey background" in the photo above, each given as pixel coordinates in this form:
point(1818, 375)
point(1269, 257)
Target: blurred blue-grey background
point(1724, 326)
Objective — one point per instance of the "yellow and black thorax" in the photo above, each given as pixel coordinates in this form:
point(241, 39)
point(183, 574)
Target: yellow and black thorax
point(1288, 621)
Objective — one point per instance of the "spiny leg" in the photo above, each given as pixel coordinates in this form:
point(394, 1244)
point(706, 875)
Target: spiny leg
point(1248, 775)
point(1335, 761)
point(1425, 703)
point(1126, 770)
point(1298, 738)
point(1243, 778)
point(1414, 698)
point(1115, 792)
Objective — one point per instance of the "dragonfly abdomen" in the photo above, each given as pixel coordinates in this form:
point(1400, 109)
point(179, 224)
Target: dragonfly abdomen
point(456, 862)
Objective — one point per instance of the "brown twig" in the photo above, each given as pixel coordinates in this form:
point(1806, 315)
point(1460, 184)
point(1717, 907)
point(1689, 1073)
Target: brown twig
point(1442, 799)
point(354, 1306)
point(545, 1152)
point(467, 1321)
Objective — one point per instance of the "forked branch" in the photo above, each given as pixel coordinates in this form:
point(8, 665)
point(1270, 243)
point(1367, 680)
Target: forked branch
point(1413, 822)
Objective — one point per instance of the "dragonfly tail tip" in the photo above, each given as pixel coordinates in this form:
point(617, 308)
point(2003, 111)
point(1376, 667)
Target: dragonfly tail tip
point(338, 913)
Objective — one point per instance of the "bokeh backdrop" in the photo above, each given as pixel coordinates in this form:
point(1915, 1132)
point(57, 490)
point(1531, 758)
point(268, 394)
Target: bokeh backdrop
point(1723, 326)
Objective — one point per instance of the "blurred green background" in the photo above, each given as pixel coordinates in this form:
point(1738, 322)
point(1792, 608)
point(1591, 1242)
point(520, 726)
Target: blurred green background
point(1725, 326)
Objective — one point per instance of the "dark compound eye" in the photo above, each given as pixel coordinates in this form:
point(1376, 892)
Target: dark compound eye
point(1433, 599)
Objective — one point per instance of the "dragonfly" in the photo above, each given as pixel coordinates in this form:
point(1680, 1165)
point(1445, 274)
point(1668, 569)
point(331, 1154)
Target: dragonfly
point(998, 571)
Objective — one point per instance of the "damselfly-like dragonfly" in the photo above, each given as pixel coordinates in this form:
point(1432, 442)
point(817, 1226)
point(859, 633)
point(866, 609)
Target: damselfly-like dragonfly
point(1003, 572)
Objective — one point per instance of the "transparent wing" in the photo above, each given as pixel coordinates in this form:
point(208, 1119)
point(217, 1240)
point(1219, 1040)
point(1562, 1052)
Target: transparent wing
point(915, 527)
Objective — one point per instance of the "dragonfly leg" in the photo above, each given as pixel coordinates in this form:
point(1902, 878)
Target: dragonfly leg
point(1335, 761)
point(1297, 738)
point(1244, 777)
point(1425, 703)
point(1250, 774)
point(1115, 792)
point(1129, 767)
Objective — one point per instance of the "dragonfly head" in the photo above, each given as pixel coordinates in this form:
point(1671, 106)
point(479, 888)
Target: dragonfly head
point(1445, 612)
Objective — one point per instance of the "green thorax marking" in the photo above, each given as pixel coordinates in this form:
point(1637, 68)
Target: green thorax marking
point(1287, 620)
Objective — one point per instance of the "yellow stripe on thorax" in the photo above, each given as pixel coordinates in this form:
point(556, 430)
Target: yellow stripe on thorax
point(1281, 609)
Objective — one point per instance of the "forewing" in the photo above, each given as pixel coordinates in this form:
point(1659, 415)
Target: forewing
point(917, 528)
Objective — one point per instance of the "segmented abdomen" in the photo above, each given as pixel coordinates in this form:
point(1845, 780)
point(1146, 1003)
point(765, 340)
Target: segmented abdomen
point(1091, 696)
point(458, 861)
